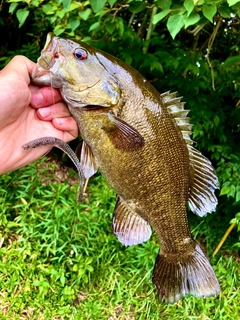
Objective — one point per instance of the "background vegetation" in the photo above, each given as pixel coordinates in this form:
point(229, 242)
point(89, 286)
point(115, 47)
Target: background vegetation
point(60, 260)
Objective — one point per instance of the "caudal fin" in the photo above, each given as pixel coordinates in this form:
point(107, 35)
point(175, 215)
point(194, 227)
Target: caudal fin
point(178, 275)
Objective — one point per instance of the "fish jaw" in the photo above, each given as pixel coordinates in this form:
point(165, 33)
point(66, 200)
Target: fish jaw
point(43, 77)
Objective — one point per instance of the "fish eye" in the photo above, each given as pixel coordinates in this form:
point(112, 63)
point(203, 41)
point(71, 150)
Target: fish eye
point(56, 55)
point(80, 54)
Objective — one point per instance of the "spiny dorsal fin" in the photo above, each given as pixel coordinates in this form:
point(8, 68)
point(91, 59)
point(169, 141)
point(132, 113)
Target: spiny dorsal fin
point(129, 227)
point(176, 108)
point(203, 177)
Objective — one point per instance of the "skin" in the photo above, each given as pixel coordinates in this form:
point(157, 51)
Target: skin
point(28, 112)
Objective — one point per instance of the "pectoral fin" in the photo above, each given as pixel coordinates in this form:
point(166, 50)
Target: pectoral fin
point(88, 163)
point(129, 227)
point(123, 135)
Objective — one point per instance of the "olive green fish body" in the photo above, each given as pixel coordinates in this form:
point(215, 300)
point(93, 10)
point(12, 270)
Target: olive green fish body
point(140, 140)
point(149, 175)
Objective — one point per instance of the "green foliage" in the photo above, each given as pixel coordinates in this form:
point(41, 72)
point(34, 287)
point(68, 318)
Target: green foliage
point(187, 46)
point(60, 260)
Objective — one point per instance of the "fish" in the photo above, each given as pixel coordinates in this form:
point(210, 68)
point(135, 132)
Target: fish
point(141, 142)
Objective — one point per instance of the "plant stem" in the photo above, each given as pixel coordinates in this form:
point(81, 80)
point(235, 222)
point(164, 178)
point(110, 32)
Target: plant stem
point(150, 30)
point(210, 43)
point(224, 238)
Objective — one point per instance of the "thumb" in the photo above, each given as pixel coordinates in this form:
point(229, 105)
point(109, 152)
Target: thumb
point(20, 65)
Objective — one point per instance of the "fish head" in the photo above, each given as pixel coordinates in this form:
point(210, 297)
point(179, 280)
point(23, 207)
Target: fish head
point(76, 70)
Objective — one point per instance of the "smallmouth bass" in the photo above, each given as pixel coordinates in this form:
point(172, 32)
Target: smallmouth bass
point(140, 141)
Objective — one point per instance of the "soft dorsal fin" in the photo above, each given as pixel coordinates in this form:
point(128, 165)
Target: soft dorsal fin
point(88, 163)
point(202, 175)
point(129, 227)
point(203, 184)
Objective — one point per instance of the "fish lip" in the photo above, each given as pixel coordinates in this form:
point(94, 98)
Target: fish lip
point(38, 71)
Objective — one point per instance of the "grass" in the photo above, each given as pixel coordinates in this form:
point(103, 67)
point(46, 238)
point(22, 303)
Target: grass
point(60, 260)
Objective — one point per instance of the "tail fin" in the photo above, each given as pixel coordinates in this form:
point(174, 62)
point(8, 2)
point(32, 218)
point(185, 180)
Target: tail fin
point(178, 275)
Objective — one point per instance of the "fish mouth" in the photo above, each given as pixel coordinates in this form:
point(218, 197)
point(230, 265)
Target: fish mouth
point(38, 71)
point(93, 108)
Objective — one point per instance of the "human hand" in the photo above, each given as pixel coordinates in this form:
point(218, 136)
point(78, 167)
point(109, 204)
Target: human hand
point(28, 112)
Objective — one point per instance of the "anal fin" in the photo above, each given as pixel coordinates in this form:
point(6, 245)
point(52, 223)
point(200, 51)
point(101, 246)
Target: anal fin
point(129, 227)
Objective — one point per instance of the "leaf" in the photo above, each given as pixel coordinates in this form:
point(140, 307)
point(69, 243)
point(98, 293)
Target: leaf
point(189, 5)
point(22, 15)
point(120, 26)
point(192, 19)
point(224, 10)
point(12, 7)
point(85, 14)
point(94, 26)
point(110, 27)
point(86, 39)
point(66, 4)
point(48, 9)
point(175, 24)
point(164, 4)
point(232, 2)
point(159, 16)
point(216, 120)
point(111, 2)
point(58, 30)
point(62, 280)
point(74, 23)
point(97, 5)
point(238, 196)
point(72, 7)
point(224, 190)
point(137, 6)
point(232, 61)
point(35, 3)
point(209, 11)
point(156, 65)
point(60, 13)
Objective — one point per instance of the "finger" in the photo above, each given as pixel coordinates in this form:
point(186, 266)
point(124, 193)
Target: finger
point(58, 110)
point(22, 66)
point(67, 124)
point(44, 97)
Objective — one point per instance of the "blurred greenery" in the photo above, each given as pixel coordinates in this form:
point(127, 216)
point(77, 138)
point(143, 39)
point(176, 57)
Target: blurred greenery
point(187, 46)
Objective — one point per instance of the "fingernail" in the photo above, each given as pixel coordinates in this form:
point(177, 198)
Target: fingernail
point(60, 121)
point(37, 99)
point(44, 112)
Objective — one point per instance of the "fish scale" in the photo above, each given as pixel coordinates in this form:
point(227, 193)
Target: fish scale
point(140, 140)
